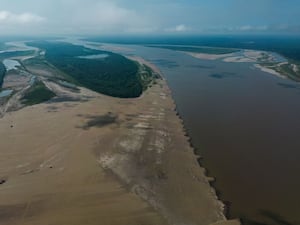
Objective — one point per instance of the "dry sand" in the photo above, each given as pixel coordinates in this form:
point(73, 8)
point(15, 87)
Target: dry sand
point(269, 70)
point(295, 68)
point(248, 56)
point(208, 56)
point(101, 160)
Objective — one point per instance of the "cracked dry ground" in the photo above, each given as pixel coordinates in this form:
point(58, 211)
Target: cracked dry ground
point(102, 160)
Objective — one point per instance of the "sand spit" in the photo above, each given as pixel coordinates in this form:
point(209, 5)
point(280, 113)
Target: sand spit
point(295, 68)
point(248, 56)
point(239, 57)
point(269, 70)
point(208, 56)
point(244, 56)
point(93, 159)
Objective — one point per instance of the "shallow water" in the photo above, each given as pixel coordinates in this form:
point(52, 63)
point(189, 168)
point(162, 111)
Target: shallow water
point(5, 93)
point(246, 124)
point(11, 64)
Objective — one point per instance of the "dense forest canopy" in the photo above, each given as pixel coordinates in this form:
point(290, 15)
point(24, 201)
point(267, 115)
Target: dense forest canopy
point(112, 75)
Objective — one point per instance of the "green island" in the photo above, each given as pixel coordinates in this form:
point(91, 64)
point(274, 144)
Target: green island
point(196, 49)
point(37, 93)
point(101, 71)
point(290, 69)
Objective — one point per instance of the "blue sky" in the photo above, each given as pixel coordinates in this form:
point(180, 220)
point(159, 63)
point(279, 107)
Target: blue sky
point(97, 17)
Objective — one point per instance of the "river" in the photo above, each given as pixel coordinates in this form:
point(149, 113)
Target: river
point(245, 124)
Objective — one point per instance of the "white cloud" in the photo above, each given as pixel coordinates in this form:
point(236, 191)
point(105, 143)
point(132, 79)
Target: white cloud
point(178, 28)
point(9, 18)
point(251, 28)
point(97, 17)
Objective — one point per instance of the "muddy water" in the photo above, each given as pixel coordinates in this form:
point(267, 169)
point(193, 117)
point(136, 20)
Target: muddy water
point(246, 125)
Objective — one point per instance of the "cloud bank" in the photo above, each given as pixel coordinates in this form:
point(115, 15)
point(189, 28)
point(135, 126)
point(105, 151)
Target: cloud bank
point(179, 28)
point(98, 17)
point(9, 18)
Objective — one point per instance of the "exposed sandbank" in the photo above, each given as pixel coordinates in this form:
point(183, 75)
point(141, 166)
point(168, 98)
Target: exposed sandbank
point(208, 56)
point(248, 56)
point(269, 70)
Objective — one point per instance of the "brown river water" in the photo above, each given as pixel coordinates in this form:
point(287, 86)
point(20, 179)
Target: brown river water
point(245, 123)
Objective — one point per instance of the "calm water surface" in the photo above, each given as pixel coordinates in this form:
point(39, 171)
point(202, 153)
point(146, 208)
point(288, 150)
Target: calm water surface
point(246, 125)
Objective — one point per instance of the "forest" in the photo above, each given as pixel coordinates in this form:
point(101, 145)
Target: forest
point(113, 75)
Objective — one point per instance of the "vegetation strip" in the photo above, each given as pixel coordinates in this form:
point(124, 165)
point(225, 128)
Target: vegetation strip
point(38, 93)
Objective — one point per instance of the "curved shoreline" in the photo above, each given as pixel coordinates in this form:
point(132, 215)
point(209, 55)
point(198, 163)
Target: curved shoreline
point(224, 208)
point(184, 128)
point(211, 180)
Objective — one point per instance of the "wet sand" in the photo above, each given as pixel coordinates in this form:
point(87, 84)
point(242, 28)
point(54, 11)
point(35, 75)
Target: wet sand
point(94, 159)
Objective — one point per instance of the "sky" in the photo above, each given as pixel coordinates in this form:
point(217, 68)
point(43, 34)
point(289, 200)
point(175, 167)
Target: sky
point(118, 17)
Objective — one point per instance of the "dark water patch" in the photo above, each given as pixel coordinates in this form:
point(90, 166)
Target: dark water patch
point(223, 75)
point(201, 66)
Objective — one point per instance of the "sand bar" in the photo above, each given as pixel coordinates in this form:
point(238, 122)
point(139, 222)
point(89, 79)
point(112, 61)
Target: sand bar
point(208, 56)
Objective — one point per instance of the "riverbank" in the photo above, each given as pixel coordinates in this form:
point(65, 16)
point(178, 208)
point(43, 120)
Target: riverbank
point(216, 109)
point(148, 172)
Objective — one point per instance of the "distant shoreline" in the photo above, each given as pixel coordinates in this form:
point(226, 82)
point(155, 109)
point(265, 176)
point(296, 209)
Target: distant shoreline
point(261, 60)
